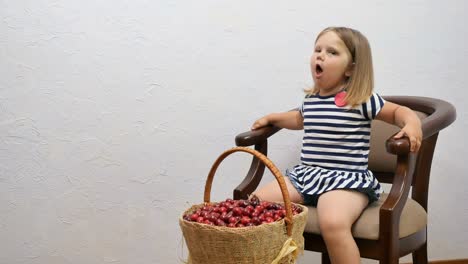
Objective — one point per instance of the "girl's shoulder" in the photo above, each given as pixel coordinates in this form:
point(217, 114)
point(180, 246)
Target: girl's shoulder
point(372, 106)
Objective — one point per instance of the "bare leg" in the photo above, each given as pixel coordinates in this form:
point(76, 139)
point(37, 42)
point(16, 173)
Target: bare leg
point(337, 211)
point(272, 192)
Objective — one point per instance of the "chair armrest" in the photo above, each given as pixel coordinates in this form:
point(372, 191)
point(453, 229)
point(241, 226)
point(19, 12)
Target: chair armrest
point(391, 209)
point(254, 175)
point(253, 137)
point(400, 146)
point(406, 161)
point(401, 183)
point(258, 138)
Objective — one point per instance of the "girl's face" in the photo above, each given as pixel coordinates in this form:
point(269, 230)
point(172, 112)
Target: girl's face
point(331, 64)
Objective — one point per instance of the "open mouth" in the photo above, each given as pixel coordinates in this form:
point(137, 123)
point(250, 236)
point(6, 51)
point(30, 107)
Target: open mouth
point(318, 69)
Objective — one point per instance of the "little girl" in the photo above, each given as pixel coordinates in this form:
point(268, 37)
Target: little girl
point(336, 117)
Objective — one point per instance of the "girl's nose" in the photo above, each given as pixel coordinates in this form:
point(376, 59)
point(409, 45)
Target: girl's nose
point(320, 56)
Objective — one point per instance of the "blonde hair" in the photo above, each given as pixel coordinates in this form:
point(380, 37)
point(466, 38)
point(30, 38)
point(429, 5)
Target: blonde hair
point(360, 84)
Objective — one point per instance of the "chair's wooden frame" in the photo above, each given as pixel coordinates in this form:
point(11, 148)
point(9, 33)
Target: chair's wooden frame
point(411, 170)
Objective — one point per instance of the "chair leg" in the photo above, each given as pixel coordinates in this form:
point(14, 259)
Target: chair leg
point(325, 258)
point(390, 259)
point(420, 255)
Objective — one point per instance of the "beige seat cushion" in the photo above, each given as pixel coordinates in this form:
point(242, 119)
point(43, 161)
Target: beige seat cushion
point(413, 219)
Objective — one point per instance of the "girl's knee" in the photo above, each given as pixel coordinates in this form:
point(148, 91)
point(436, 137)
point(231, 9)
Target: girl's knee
point(272, 192)
point(269, 192)
point(333, 226)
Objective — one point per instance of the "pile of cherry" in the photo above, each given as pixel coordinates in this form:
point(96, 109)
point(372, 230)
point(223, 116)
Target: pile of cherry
point(240, 213)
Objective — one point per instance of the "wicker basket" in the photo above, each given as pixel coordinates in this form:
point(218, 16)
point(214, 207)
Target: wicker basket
point(277, 242)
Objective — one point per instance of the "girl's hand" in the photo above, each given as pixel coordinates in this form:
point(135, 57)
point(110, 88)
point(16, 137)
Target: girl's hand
point(414, 133)
point(260, 123)
point(289, 120)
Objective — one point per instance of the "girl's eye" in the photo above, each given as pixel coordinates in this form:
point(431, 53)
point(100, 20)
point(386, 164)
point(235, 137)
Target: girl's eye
point(332, 52)
point(317, 50)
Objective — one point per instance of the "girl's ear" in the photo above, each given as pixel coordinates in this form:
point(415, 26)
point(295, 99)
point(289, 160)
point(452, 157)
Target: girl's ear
point(350, 70)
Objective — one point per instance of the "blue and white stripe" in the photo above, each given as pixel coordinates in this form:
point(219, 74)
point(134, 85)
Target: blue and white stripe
point(335, 146)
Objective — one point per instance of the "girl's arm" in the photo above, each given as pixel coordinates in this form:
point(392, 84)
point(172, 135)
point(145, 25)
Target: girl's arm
point(406, 119)
point(290, 120)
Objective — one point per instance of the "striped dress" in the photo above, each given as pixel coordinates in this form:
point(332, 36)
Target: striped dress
point(335, 148)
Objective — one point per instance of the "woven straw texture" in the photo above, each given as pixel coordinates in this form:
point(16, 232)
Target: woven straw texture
point(246, 245)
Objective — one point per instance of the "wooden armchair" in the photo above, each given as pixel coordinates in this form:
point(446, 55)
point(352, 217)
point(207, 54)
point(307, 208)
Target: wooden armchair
point(396, 225)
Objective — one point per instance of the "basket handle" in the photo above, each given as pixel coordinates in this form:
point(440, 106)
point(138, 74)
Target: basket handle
point(274, 170)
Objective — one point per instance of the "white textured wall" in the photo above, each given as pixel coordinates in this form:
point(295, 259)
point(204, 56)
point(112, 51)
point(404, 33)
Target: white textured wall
point(112, 112)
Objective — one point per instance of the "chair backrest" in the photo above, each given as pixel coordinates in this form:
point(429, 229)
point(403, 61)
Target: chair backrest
point(435, 115)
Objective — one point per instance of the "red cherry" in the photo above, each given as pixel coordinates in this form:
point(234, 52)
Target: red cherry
point(256, 220)
point(223, 215)
point(237, 211)
point(226, 217)
point(245, 212)
point(254, 200)
point(240, 213)
point(204, 213)
point(282, 213)
point(259, 208)
point(208, 222)
point(220, 222)
point(215, 215)
point(245, 220)
point(244, 203)
point(249, 209)
point(194, 217)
